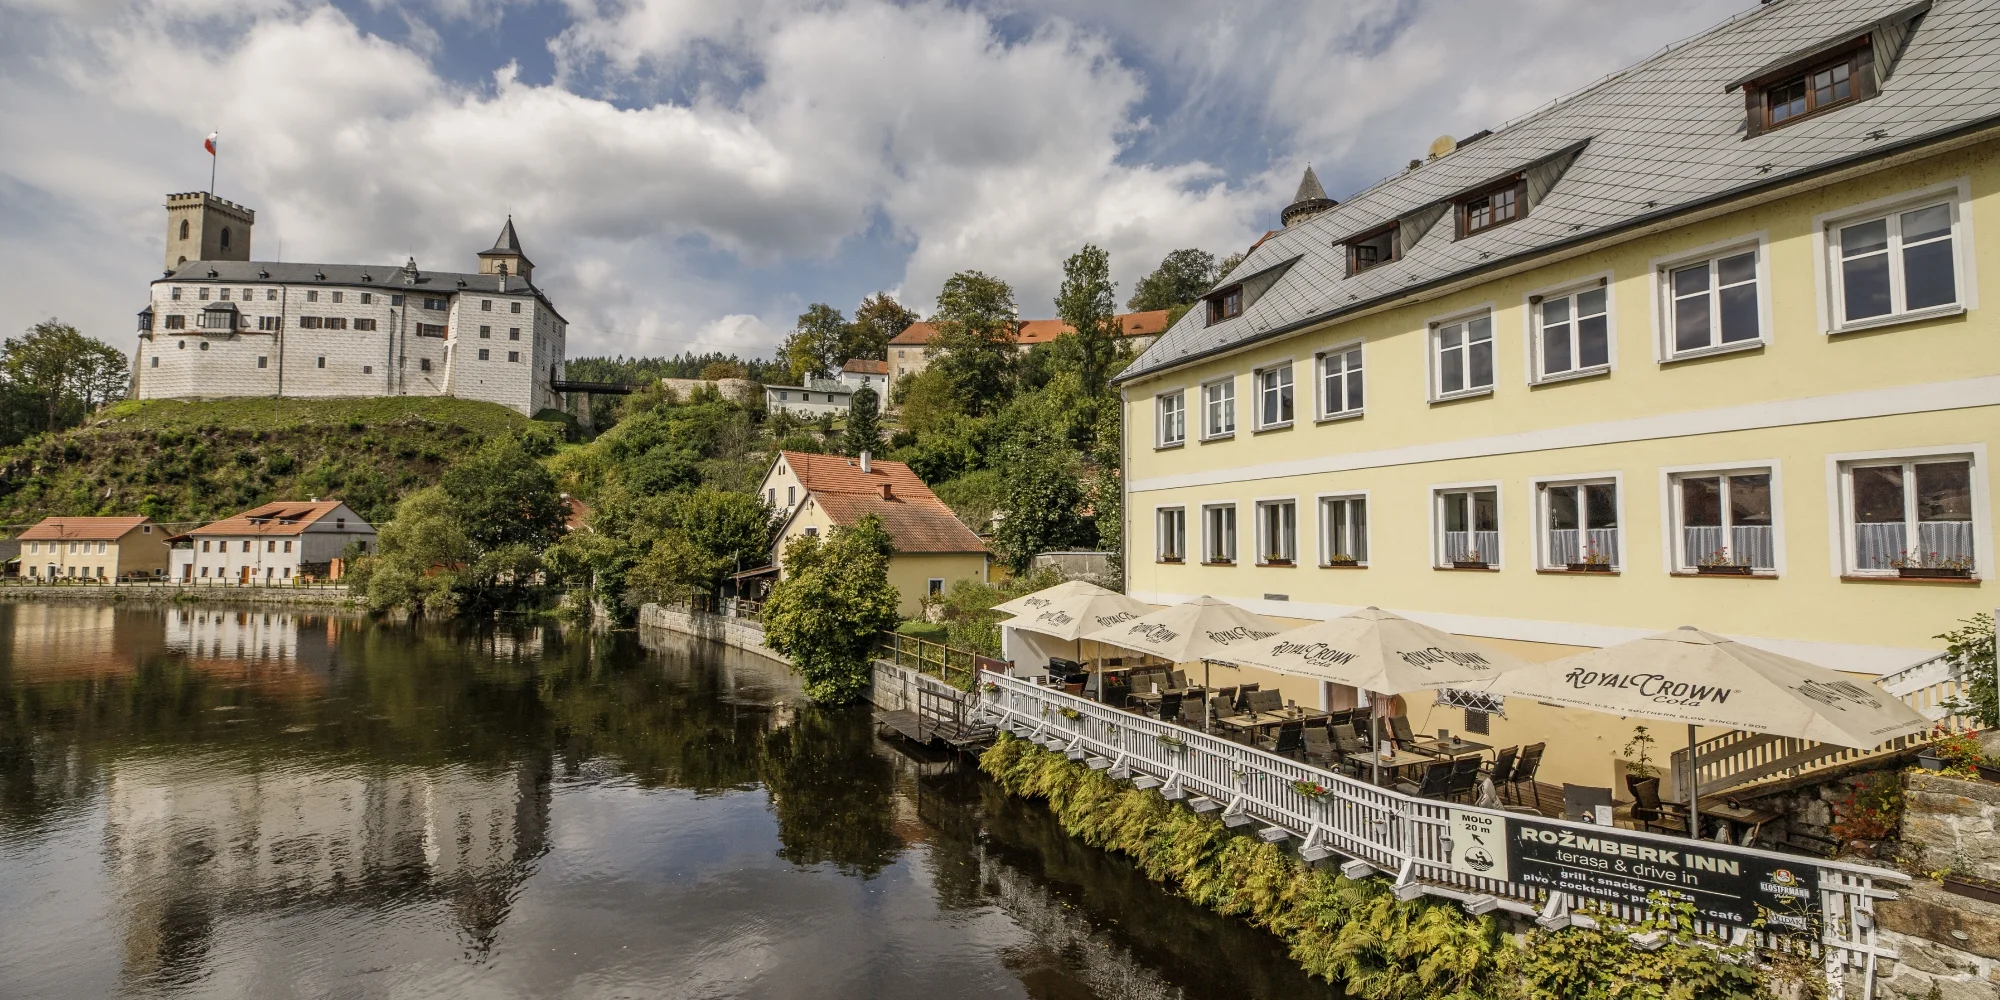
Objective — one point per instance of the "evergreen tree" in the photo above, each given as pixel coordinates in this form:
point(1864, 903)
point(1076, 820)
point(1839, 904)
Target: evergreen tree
point(864, 422)
point(1085, 302)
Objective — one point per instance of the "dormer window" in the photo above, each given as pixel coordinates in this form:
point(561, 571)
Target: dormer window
point(1369, 249)
point(1226, 304)
point(1496, 206)
point(1828, 75)
point(1814, 90)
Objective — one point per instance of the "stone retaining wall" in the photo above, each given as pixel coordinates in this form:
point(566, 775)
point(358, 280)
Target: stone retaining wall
point(736, 633)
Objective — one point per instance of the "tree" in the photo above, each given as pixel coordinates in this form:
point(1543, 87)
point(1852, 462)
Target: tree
point(813, 349)
point(716, 371)
point(825, 613)
point(706, 534)
point(1182, 278)
point(864, 422)
point(1086, 302)
point(66, 373)
point(503, 496)
point(1044, 507)
point(974, 348)
point(877, 320)
point(1228, 265)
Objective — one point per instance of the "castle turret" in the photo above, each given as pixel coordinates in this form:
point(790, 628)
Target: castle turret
point(1309, 202)
point(201, 226)
point(506, 256)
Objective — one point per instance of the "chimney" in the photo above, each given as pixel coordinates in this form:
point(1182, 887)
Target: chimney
point(887, 494)
point(867, 464)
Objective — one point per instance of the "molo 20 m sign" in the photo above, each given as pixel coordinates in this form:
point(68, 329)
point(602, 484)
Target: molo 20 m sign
point(1657, 688)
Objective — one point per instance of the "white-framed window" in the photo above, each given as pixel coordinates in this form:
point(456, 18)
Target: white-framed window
point(1462, 357)
point(1572, 332)
point(1888, 263)
point(1340, 385)
point(1277, 532)
point(1468, 527)
point(1713, 303)
point(1218, 409)
point(1274, 396)
point(1218, 533)
point(1909, 517)
point(1173, 418)
point(1725, 521)
point(1579, 524)
point(1343, 531)
point(1172, 539)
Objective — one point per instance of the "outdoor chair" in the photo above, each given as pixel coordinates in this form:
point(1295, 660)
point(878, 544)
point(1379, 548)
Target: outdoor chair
point(1180, 680)
point(1353, 752)
point(1219, 708)
point(1291, 740)
point(1191, 710)
point(1228, 694)
point(1525, 770)
point(1170, 707)
point(1464, 773)
point(1267, 701)
point(1437, 780)
point(1319, 746)
point(1502, 767)
point(1344, 717)
point(1243, 695)
point(1650, 811)
point(1399, 729)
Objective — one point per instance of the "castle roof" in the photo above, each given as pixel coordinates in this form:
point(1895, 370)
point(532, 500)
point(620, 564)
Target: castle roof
point(507, 245)
point(865, 366)
point(1661, 139)
point(384, 278)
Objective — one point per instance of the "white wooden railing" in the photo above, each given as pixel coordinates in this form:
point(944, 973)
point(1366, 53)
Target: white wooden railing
point(1383, 831)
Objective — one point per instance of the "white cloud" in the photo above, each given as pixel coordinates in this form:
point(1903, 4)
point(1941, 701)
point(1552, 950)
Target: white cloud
point(808, 130)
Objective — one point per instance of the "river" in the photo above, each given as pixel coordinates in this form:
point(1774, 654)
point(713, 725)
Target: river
point(223, 802)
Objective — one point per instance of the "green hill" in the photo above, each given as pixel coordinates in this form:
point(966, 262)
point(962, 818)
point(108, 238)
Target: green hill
point(195, 461)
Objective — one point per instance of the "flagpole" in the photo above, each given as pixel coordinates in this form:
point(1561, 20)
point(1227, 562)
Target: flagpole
point(212, 157)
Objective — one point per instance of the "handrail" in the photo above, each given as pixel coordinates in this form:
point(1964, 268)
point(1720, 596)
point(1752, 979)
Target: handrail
point(1385, 830)
point(953, 665)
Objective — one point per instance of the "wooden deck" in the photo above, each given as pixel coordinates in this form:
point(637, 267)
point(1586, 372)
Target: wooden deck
point(906, 724)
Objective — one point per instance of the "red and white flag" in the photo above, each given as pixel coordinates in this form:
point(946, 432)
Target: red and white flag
point(209, 143)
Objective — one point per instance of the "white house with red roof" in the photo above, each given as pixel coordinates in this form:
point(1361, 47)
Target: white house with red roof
point(858, 372)
point(276, 543)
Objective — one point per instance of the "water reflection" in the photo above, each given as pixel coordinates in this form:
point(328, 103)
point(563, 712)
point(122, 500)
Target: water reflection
point(230, 802)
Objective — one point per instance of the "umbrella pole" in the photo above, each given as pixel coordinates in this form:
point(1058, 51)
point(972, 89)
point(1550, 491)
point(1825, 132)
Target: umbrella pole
point(1693, 790)
point(1207, 699)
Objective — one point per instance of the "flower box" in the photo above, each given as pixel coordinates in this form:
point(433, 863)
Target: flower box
point(1934, 572)
point(1470, 564)
point(1337, 561)
point(1724, 570)
point(1973, 887)
point(1931, 759)
point(1590, 567)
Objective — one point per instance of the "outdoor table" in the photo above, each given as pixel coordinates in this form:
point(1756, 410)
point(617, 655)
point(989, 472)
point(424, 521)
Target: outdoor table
point(1262, 720)
point(1391, 765)
point(1153, 697)
point(1458, 747)
point(1722, 810)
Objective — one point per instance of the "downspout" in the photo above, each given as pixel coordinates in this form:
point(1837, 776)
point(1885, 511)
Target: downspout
point(389, 363)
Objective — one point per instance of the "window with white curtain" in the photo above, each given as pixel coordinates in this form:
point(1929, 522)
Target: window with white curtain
point(1218, 533)
point(1468, 527)
point(1277, 532)
point(1340, 388)
point(1172, 534)
point(1218, 400)
point(1343, 531)
point(1724, 522)
point(1173, 418)
point(1912, 518)
point(1895, 264)
point(1580, 525)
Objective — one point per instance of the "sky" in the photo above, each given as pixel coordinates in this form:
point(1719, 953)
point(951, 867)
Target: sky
point(689, 176)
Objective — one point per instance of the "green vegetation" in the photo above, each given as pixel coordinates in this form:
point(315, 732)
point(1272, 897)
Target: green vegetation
point(179, 461)
point(644, 371)
point(1357, 934)
point(52, 377)
point(1970, 648)
point(824, 339)
point(833, 600)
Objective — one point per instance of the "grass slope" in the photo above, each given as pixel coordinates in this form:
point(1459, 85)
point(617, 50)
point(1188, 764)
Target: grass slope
point(195, 461)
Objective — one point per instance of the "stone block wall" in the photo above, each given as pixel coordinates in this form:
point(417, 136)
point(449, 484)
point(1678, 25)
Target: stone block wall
point(1952, 823)
point(1947, 946)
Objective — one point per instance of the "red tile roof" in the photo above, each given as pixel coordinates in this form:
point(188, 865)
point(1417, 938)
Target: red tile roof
point(82, 529)
point(840, 474)
point(864, 366)
point(284, 517)
point(914, 526)
point(1041, 331)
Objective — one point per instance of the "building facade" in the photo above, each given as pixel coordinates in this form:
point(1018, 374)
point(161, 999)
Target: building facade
point(237, 327)
point(276, 543)
point(1700, 345)
point(93, 548)
point(858, 372)
point(908, 350)
point(820, 396)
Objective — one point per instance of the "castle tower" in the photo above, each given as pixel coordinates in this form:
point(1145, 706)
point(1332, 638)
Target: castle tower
point(201, 226)
point(1310, 201)
point(506, 256)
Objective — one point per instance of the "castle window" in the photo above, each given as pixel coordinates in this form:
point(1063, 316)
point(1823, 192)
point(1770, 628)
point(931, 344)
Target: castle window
point(202, 294)
point(223, 294)
point(367, 369)
point(270, 295)
point(270, 324)
point(155, 359)
point(263, 361)
point(485, 332)
point(174, 294)
point(516, 307)
point(486, 305)
point(176, 322)
point(364, 324)
point(339, 296)
point(336, 322)
point(484, 354)
point(312, 295)
point(225, 237)
point(395, 300)
point(311, 322)
point(423, 364)
point(204, 345)
point(514, 333)
point(367, 298)
point(516, 356)
point(322, 361)
point(184, 231)
point(430, 329)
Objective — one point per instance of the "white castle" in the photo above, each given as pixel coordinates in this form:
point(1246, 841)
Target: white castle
point(220, 324)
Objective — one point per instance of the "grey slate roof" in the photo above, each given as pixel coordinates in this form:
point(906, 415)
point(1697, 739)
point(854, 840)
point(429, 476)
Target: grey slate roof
point(508, 241)
point(387, 278)
point(1662, 137)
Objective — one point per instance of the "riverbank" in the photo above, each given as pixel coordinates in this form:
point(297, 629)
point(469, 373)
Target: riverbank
point(736, 633)
point(171, 593)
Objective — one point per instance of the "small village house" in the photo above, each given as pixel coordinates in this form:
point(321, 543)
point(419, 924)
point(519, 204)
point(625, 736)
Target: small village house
point(907, 350)
point(818, 396)
point(815, 493)
point(94, 548)
point(858, 372)
point(273, 544)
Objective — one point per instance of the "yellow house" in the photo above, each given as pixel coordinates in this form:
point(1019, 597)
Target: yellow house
point(814, 493)
point(94, 548)
point(1701, 344)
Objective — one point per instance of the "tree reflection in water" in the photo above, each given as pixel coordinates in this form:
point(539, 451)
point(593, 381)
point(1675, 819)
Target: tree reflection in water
point(832, 790)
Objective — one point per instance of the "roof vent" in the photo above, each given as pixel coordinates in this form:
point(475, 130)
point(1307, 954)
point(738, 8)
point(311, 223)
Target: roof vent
point(365, 276)
point(461, 282)
point(264, 274)
point(213, 273)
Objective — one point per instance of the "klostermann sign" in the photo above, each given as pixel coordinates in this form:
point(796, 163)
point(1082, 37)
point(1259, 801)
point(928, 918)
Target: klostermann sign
point(1725, 885)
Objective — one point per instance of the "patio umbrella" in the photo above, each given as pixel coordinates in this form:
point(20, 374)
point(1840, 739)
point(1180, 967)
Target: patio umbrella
point(1031, 603)
point(1082, 611)
point(1701, 679)
point(1377, 650)
point(1203, 629)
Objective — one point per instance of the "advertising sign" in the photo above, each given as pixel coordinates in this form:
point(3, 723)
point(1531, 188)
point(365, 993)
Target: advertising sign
point(1723, 884)
point(1479, 844)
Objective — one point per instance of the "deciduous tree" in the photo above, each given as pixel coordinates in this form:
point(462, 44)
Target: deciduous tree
point(825, 613)
point(814, 348)
point(66, 373)
point(877, 320)
point(974, 349)
point(1182, 278)
point(1086, 302)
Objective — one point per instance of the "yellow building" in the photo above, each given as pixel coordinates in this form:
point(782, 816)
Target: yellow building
point(1701, 344)
point(94, 548)
point(814, 493)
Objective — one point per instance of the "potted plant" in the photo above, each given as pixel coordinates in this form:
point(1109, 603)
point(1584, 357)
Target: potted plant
point(1718, 563)
point(1955, 754)
point(1472, 560)
point(1931, 566)
point(1639, 753)
point(1594, 561)
point(1342, 560)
